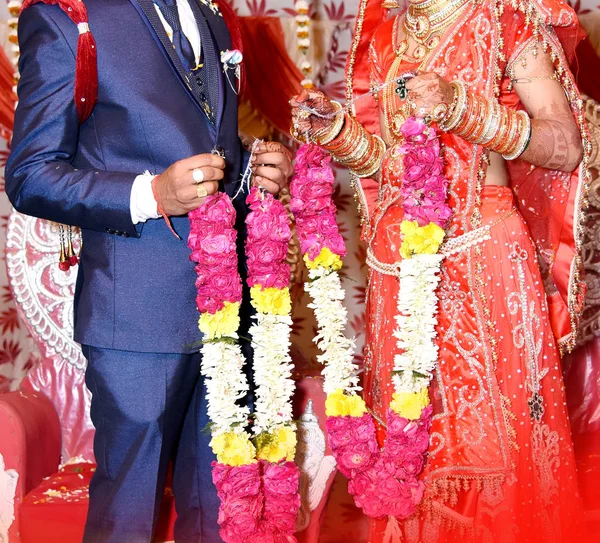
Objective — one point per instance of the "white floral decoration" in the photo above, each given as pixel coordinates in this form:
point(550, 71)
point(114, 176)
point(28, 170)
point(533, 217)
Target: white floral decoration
point(272, 371)
point(226, 383)
point(416, 322)
point(337, 351)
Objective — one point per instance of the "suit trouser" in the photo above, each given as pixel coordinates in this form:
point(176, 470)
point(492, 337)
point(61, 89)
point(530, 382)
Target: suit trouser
point(149, 409)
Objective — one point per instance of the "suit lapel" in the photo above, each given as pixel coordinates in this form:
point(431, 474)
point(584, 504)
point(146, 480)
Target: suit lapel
point(147, 11)
point(216, 26)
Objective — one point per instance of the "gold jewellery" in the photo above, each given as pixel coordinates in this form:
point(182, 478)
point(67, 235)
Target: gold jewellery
point(486, 122)
point(426, 23)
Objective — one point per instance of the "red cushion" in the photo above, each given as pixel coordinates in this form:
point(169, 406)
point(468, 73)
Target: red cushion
point(56, 510)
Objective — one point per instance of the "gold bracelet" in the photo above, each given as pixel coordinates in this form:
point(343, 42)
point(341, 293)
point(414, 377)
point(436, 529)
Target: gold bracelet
point(512, 133)
point(336, 127)
point(500, 131)
point(492, 123)
point(346, 139)
point(458, 108)
point(465, 128)
point(523, 139)
point(481, 123)
point(374, 164)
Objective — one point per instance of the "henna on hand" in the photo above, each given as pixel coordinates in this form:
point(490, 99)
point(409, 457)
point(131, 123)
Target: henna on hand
point(555, 138)
point(306, 122)
point(428, 90)
point(555, 144)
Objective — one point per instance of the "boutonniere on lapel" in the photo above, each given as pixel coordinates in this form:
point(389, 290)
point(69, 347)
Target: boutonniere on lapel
point(232, 61)
point(213, 6)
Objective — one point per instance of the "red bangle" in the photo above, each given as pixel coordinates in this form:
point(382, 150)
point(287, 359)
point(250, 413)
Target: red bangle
point(161, 210)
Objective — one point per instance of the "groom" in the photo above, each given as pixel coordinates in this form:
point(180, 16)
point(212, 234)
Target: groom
point(164, 103)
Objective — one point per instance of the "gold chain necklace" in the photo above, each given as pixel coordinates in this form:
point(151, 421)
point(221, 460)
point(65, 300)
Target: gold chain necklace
point(426, 23)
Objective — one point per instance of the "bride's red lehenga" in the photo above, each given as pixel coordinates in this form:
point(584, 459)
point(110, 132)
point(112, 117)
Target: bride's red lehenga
point(500, 465)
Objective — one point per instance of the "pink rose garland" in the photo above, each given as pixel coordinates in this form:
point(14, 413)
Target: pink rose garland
point(424, 185)
point(312, 203)
point(267, 241)
point(268, 237)
point(384, 482)
point(259, 500)
point(212, 241)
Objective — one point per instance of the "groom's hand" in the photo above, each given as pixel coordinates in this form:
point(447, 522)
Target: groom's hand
point(177, 189)
point(272, 166)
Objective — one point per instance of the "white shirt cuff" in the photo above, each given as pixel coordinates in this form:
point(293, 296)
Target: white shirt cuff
point(142, 204)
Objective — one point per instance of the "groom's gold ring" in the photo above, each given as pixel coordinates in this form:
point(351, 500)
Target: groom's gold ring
point(201, 191)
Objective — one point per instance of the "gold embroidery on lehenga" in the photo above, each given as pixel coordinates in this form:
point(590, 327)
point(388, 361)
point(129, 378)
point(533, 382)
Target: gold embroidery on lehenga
point(524, 334)
point(545, 450)
point(509, 419)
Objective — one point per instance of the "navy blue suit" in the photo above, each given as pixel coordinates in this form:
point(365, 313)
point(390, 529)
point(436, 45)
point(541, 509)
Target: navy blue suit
point(135, 289)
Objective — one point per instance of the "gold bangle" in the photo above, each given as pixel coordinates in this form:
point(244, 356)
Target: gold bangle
point(336, 127)
point(481, 123)
point(510, 140)
point(374, 164)
point(500, 131)
point(458, 108)
point(523, 139)
point(493, 121)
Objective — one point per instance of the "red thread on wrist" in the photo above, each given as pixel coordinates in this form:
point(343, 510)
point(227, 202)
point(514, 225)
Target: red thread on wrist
point(161, 210)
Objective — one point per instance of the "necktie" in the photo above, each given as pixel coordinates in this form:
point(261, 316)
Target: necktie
point(169, 11)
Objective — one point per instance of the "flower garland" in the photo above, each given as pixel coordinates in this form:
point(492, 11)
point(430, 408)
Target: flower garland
point(426, 214)
point(303, 33)
point(384, 482)
point(268, 237)
point(256, 479)
point(212, 241)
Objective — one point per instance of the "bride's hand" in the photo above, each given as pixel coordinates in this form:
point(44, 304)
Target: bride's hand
point(429, 95)
point(306, 123)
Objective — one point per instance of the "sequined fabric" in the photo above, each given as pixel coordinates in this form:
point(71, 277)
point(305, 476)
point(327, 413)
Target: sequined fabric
point(500, 464)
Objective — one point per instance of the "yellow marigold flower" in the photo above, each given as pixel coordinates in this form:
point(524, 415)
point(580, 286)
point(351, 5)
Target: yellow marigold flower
point(233, 449)
point(420, 240)
point(277, 446)
point(339, 404)
point(410, 404)
point(224, 322)
point(325, 258)
point(271, 300)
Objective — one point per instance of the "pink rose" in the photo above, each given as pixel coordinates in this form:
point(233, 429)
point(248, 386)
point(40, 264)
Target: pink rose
point(309, 156)
point(413, 127)
point(355, 460)
point(217, 208)
point(206, 304)
point(225, 285)
point(238, 480)
point(266, 252)
point(269, 226)
point(309, 192)
point(335, 244)
point(396, 423)
point(218, 244)
point(415, 169)
point(327, 225)
point(425, 212)
point(281, 513)
point(280, 478)
point(362, 483)
point(270, 277)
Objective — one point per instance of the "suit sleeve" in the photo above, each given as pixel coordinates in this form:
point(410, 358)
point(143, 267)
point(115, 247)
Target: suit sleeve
point(40, 177)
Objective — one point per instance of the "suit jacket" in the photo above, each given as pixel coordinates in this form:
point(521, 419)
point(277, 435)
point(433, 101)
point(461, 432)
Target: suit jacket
point(135, 286)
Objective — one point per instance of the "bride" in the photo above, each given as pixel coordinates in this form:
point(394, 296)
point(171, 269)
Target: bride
point(492, 77)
